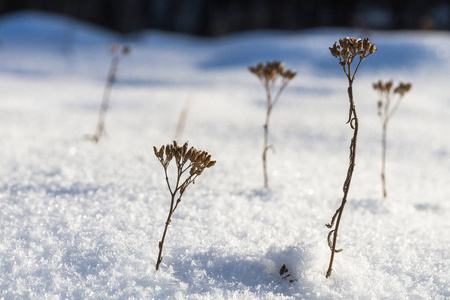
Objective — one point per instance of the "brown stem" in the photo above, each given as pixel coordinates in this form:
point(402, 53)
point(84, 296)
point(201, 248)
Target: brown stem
point(354, 125)
point(161, 243)
point(182, 119)
point(383, 157)
point(173, 205)
point(105, 101)
point(266, 146)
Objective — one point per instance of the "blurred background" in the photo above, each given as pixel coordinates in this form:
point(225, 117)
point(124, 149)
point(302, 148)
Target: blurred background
point(218, 17)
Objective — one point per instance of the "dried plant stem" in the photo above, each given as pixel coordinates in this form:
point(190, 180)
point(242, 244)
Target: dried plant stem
point(190, 164)
point(347, 50)
point(173, 207)
point(182, 119)
point(383, 157)
point(105, 100)
point(266, 146)
point(353, 121)
point(270, 103)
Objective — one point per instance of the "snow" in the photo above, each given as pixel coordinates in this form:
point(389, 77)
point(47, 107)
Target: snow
point(83, 221)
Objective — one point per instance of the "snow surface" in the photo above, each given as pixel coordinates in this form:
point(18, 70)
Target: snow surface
point(83, 221)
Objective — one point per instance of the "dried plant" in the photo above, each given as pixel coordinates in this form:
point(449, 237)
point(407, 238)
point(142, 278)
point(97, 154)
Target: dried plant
point(346, 52)
point(286, 275)
point(117, 52)
point(182, 119)
point(386, 111)
point(269, 74)
point(189, 164)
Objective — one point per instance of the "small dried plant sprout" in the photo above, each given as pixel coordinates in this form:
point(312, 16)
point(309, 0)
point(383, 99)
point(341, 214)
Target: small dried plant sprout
point(270, 74)
point(387, 106)
point(189, 165)
point(117, 52)
point(286, 275)
point(346, 52)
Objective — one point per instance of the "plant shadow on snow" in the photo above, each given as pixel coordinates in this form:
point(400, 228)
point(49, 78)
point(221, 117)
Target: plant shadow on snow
point(373, 205)
point(206, 271)
point(262, 194)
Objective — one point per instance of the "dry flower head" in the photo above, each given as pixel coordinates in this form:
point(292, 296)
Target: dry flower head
point(118, 48)
point(385, 88)
point(349, 48)
point(198, 160)
point(403, 88)
point(272, 70)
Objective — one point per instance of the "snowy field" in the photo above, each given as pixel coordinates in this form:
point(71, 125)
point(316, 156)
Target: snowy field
point(83, 221)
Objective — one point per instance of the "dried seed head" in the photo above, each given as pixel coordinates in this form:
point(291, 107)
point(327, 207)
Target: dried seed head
point(156, 151)
point(349, 48)
point(389, 86)
point(207, 159)
point(126, 50)
point(271, 71)
point(402, 88)
point(366, 44)
point(258, 70)
point(380, 104)
point(335, 50)
point(360, 45)
point(289, 74)
point(377, 85)
point(184, 149)
point(169, 156)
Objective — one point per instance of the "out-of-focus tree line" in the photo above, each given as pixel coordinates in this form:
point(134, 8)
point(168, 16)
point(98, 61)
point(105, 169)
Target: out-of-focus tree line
point(216, 17)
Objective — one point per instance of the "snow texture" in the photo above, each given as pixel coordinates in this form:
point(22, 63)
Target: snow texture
point(83, 221)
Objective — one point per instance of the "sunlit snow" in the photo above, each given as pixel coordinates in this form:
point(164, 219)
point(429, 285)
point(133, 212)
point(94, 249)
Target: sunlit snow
point(83, 221)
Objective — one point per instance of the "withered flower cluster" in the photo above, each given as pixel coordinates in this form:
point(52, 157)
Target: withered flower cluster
point(271, 71)
point(402, 88)
point(199, 160)
point(384, 89)
point(349, 48)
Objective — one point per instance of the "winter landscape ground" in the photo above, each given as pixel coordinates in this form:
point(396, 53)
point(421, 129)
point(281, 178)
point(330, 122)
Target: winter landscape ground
point(80, 220)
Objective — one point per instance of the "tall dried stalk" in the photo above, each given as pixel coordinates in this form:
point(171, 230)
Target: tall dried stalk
point(182, 119)
point(190, 164)
point(117, 51)
point(269, 74)
point(385, 112)
point(347, 50)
